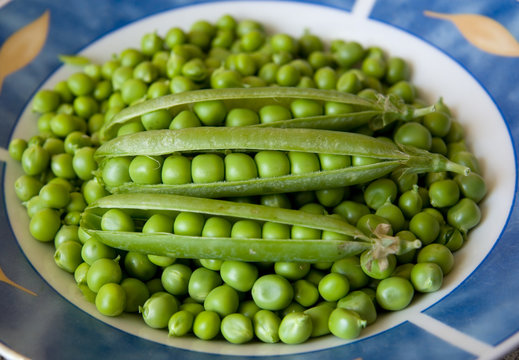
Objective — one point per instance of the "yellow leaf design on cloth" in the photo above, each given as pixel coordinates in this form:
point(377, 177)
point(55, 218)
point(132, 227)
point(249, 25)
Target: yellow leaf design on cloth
point(483, 32)
point(5, 279)
point(23, 46)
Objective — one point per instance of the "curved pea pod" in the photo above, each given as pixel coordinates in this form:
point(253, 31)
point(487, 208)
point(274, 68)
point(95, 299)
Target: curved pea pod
point(388, 156)
point(377, 113)
point(142, 206)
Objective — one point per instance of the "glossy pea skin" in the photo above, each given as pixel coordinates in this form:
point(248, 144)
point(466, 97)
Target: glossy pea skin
point(333, 286)
point(16, 148)
point(438, 254)
point(187, 223)
point(351, 268)
point(175, 279)
point(272, 292)
point(472, 186)
point(414, 134)
point(393, 214)
point(368, 224)
point(352, 211)
point(66, 233)
point(359, 302)
point(216, 226)
point(206, 325)
point(207, 168)
point(237, 328)
point(239, 275)
point(45, 224)
point(158, 119)
point(273, 113)
point(180, 323)
point(158, 309)
point(425, 226)
point(93, 250)
point(185, 119)
point(345, 324)
point(176, 170)
point(272, 230)
point(444, 193)
point(380, 191)
point(426, 277)
point(272, 163)
point(394, 293)
point(146, 170)
point(158, 223)
point(410, 202)
point(210, 113)
point(68, 256)
point(139, 266)
point(266, 326)
point(26, 187)
point(295, 328)
point(291, 270)
point(136, 294)
point(464, 215)
point(117, 220)
point(319, 316)
point(305, 292)
point(110, 299)
point(201, 282)
point(103, 271)
point(374, 268)
point(223, 300)
point(303, 162)
point(239, 166)
point(35, 159)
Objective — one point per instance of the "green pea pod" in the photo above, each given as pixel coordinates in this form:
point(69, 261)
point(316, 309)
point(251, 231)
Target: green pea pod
point(220, 139)
point(378, 113)
point(142, 206)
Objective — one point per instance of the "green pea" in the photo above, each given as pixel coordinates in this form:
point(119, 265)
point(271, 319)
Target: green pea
point(201, 282)
point(241, 117)
point(216, 226)
point(138, 265)
point(291, 270)
point(16, 148)
point(83, 163)
point(393, 214)
point(45, 224)
point(158, 223)
point(239, 166)
point(414, 134)
point(346, 324)
point(116, 171)
point(410, 202)
point(68, 256)
point(223, 300)
point(187, 223)
point(361, 303)
point(472, 186)
point(157, 89)
point(394, 293)
point(66, 233)
point(272, 292)
point(176, 170)
point(158, 309)
point(185, 119)
point(295, 328)
point(405, 90)
point(207, 168)
point(368, 224)
point(450, 237)
point(276, 200)
point(379, 191)
point(210, 113)
point(117, 220)
point(159, 119)
point(136, 294)
point(266, 325)
point(305, 292)
point(225, 78)
point(377, 269)
point(246, 229)
point(352, 211)
point(146, 169)
point(133, 90)
point(272, 113)
point(303, 162)
point(325, 78)
point(426, 277)
point(93, 190)
point(271, 163)
point(248, 308)
point(110, 299)
point(35, 159)
point(93, 250)
point(425, 226)
point(239, 275)
point(103, 271)
point(438, 254)
point(54, 195)
point(206, 325)
point(348, 53)
point(444, 193)
point(80, 84)
point(46, 101)
point(180, 323)
point(351, 268)
point(333, 286)
point(26, 187)
point(272, 230)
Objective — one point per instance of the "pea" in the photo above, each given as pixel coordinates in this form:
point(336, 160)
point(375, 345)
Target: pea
point(45, 224)
point(345, 323)
point(368, 224)
point(187, 223)
point(377, 269)
point(206, 325)
point(35, 159)
point(83, 163)
point(239, 275)
point(158, 223)
point(379, 191)
point(393, 214)
point(351, 268)
point(438, 254)
point(217, 227)
point(394, 293)
point(159, 119)
point(180, 323)
point(425, 226)
point(273, 113)
point(68, 256)
point(138, 265)
point(201, 282)
point(136, 294)
point(295, 328)
point(291, 270)
point(80, 84)
point(210, 113)
point(241, 117)
point(472, 186)
point(146, 169)
point(333, 286)
point(110, 299)
point(116, 171)
point(103, 271)
point(272, 163)
point(66, 233)
point(303, 162)
point(158, 309)
point(117, 220)
point(305, 292)
point(410, 202)
point(359, 302)
point(444, 193)
point(426, 277)
point(352, 211)
point(239, 166)
point(414, 134)
point(266, 325)
point(237, 328)
point(26, 187)
point(206, 168)
point(272, 292)
point(93, 250)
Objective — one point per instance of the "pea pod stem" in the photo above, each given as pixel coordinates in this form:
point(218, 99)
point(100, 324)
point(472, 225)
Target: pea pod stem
point(385, 108)
point(168, 244)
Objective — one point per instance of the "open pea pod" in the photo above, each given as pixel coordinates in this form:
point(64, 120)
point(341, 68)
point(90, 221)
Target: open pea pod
point(141, 207)
point(386, 155)
point(376, 113)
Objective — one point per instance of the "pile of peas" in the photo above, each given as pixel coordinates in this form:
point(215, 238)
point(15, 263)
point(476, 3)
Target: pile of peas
point(239, 301)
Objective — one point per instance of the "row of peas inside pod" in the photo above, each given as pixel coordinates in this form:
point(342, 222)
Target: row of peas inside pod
point(230, 216)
